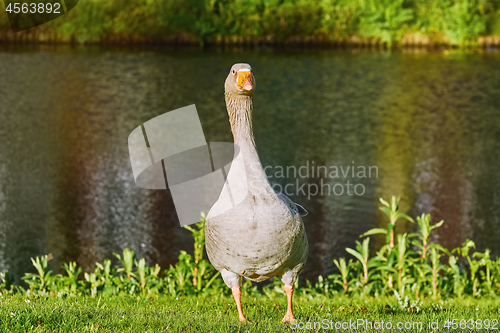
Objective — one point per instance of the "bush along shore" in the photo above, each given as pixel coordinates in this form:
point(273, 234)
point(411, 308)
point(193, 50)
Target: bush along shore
point(387, 23)
point(408, 266)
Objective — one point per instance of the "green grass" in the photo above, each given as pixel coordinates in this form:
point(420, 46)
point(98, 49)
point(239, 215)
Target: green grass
point(218, 313)
point(436, 286)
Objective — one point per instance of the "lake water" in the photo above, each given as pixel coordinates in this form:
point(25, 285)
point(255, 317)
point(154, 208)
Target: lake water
point(425, 124)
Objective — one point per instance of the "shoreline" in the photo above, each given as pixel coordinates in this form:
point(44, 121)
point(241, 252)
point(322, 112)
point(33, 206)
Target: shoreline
point(408, 41)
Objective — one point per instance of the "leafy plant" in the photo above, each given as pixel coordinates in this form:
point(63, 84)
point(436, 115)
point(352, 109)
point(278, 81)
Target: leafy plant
point(457, 279)
point(341, 278)
point(93, 281)
point(71, 282)
point(362, 253)
point(6, 287)
point(473, 265)
point(403, 262)
point(424, 222)
point(463, 20)
point(384, 19)
point(127, 261)
point(406, 304)
point(436, 267)
point(486, 275)
point(109, 282)
point(392, 211)
point(385, 266)
point(41, 282)
point(407, 266)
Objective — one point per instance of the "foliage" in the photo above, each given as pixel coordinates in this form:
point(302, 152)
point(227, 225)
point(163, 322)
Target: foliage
point(42, 282)
point(456, 22)
point(339, 18)
point(7, 285)
point(409, 267)
point(424, 222)
point(418, 273)
point(385, 19)
point(393, 213)
point(464, 20)
point(192, 274)
point(362, 253)
point(341, 278)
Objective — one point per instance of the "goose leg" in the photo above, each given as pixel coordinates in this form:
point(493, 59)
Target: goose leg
point(234, 282)
point(237, 299)
point(289, 294)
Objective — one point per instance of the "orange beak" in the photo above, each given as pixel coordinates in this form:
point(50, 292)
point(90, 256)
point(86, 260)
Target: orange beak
point(244, 80)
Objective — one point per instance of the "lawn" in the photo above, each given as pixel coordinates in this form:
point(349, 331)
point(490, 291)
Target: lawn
point(458, 294)
point(218, 314)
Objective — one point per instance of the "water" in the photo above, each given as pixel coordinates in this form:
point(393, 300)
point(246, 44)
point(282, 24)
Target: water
point(427, 123)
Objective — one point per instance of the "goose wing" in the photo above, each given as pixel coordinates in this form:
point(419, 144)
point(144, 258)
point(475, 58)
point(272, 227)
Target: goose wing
point(295, 208)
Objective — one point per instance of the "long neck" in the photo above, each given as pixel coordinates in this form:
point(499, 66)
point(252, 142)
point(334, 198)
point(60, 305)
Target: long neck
point(240, 117)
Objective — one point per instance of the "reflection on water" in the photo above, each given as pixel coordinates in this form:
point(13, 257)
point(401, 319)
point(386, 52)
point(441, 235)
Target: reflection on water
point(429, 123)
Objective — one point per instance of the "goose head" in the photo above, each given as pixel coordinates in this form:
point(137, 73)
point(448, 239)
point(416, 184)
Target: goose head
point(240, 81)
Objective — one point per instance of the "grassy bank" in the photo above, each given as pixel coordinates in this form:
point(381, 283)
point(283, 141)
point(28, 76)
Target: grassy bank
point(407, 265)
point(410, 281)
point(219, 314)
point(341, 22)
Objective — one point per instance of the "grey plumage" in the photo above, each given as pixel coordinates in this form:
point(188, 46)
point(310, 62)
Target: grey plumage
point(264, 235)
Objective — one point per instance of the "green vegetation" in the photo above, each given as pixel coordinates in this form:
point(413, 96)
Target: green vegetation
point(391, 22)
point(410, 279)
point(407, 265)
point(218, 313)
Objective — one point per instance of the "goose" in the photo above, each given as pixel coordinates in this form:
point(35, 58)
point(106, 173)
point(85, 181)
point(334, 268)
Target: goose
point(262, 236)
